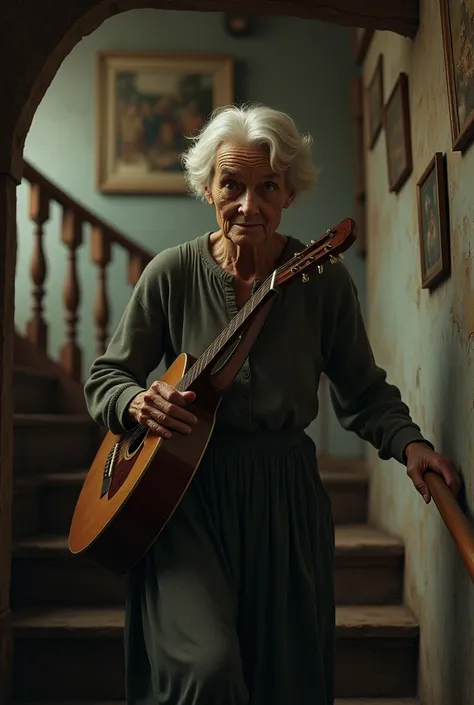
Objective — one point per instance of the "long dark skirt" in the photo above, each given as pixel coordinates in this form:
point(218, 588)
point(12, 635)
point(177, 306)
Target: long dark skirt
point(234, 605)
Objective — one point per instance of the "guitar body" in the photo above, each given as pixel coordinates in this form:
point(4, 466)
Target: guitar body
point(148, 478)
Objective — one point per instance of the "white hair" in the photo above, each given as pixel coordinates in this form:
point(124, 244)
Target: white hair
point(252, 125)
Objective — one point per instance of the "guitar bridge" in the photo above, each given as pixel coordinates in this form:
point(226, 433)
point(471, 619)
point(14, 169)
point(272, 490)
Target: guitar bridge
point(107, 475)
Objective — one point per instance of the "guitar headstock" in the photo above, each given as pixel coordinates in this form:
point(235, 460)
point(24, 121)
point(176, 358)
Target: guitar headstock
point(334, 241)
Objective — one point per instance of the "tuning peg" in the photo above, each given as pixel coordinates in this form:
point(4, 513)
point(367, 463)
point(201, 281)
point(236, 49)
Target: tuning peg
point(304, 278)
point(297, 254)
point(320, 269)
point(341, 256)
point(332, 259)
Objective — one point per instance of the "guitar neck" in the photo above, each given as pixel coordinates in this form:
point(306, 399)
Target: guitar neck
point(211, 355)
point(327, 247)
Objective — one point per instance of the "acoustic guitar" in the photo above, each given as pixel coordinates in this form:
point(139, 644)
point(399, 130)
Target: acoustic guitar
point(137, 479)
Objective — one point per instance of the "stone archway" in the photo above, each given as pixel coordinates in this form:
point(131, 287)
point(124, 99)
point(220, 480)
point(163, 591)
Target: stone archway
point(34, 41)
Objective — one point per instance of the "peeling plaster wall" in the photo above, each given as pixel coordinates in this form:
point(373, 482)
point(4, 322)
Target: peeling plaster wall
point(426, 343)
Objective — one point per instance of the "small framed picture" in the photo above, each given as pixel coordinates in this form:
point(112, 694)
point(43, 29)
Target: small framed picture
point(375, 103)
point(457, 21)
point(361, 39)
point(433, 223)
point(398, 135)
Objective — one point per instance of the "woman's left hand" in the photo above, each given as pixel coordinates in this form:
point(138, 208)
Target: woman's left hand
point(420, 459)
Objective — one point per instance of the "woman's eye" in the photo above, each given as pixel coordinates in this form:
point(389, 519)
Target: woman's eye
point(270, 186)
point(229, 185)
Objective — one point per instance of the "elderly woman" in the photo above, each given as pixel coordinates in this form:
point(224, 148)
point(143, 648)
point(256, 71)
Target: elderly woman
point(234, 604)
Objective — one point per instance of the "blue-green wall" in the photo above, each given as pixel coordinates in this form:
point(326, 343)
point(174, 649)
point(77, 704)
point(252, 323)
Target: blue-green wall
point(302, 67)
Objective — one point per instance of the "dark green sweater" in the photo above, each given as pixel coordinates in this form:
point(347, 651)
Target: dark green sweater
point(182, 302)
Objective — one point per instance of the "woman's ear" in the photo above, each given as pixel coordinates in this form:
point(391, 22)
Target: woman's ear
point(289, 200)
point(208, 194)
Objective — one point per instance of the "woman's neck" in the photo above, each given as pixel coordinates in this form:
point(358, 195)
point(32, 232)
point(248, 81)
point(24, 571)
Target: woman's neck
point(248, 263)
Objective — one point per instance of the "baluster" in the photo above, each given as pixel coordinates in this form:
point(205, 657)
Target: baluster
point(71, 354)
point(136, 265)
point(101, 255)
point(36, 328)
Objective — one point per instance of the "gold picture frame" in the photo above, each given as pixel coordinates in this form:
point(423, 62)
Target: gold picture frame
point(398, 135)
point(375, 103)
point(433, 223)
point(457, 21)
point(147, 105)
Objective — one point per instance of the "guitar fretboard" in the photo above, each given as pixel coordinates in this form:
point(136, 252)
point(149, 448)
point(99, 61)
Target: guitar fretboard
point(217, 346)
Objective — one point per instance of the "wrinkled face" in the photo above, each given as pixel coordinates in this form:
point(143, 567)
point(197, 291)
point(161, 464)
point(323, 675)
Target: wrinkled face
point(247, 193)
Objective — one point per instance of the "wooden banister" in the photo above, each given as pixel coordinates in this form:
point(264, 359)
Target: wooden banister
point(33, 176)
point(103, 237)
point(456, 521)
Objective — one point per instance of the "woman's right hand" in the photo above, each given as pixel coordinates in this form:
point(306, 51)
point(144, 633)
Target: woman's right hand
point(162, 409)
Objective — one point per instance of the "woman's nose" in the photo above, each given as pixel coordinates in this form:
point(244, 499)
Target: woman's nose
point(249, 204)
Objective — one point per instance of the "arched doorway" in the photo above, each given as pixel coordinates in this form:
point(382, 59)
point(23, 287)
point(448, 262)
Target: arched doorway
point(32, 48)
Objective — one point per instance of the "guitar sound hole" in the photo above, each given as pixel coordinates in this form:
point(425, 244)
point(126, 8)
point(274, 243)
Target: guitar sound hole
point(136, 444)
point(131, 449)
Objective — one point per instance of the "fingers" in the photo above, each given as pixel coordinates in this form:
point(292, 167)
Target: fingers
point(445, 468)
point(163, 410)
point(416, 477)
point(171, 394)
point(441, 466)
point(422, 488)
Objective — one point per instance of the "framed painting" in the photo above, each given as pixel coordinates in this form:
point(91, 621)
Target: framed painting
point(148, 104)
point(398, 135)
point(433, 223)
point(457, 20)
point(361, 38)
point(375, 103)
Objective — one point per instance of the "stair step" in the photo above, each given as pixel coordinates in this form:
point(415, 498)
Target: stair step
point(57, 494)
point(53, 442)
point(330, 464)
point(366, 701)
point(368, 570)
point(338, 701)
point(368, 566)
point(85, 646)
point(26, 512)
point(44, 572)
point(376, 653)
point(348, 492)
point(34, 391)
point(45, 503)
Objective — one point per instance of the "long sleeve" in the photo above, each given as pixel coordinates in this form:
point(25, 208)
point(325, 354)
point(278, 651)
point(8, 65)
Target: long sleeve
point(134, 351)
point(362, 398)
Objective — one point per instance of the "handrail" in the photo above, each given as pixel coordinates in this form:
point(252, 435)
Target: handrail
point(456, 521)
point(33, 176)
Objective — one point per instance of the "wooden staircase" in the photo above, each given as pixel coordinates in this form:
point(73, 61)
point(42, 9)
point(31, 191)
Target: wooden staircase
point(68, 614)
